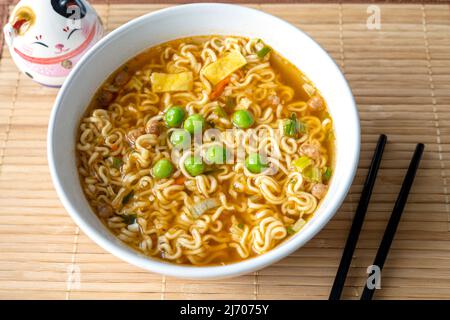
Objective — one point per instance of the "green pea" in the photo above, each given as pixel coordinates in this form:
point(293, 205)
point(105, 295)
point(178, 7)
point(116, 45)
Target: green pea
point(255, 163)
point(194, 165)
point(180, 138)
point(242, 119)
point(162, 169)
point(216, 155)
point(194, 123)
point(174, 116)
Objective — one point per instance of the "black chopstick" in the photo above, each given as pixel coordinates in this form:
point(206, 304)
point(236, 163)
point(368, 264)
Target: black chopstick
point(391, 227)
point(358, 220)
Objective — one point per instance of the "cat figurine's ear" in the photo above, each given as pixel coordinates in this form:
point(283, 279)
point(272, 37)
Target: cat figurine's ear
point(74, 9)
point(19, 23)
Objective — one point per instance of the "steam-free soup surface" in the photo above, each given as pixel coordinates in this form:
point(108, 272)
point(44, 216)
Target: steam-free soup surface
point(206, 150)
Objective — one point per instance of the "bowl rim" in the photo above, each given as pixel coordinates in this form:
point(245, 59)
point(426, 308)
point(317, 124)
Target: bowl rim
point(132, 256)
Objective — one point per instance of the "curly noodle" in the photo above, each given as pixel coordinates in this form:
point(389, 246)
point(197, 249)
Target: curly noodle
point(251, 213)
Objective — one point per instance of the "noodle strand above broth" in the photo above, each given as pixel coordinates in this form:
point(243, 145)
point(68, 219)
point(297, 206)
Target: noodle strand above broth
point(206, 150)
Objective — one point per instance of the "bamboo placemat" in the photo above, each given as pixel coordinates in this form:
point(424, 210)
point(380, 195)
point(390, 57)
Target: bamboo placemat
point(400, 77)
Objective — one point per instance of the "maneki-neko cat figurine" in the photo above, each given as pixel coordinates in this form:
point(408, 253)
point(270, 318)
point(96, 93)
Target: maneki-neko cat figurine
point(47, 38)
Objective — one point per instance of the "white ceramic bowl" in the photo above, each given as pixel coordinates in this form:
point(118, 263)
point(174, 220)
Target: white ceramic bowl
point(178, 22)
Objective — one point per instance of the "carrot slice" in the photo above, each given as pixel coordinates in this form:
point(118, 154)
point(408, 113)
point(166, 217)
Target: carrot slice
point(218, 89)
point(180, 180)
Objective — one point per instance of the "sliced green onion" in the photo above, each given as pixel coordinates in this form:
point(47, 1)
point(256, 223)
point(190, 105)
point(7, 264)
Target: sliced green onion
point(220, 112)
point(128, 197)
point(293, 126)
point(327, 173)
point(201, 207)
point(290, 230)
point(302, 163)
point(230, 102)
point(134, 83)
point(116, 162)
point(263, 52)
point(313, 174)
point(316, 175)
point(290, 129)
point(301, 127)
point(298, 225)
point(129, 218)
point(241, 226)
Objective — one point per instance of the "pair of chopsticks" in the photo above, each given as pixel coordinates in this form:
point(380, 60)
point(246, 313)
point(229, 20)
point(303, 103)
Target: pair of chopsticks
point(361, 210)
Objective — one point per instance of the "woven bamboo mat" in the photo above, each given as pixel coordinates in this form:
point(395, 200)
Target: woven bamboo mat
point(400, 76)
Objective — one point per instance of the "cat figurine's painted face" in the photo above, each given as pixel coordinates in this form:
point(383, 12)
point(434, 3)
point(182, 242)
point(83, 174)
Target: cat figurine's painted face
point(47, 37)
